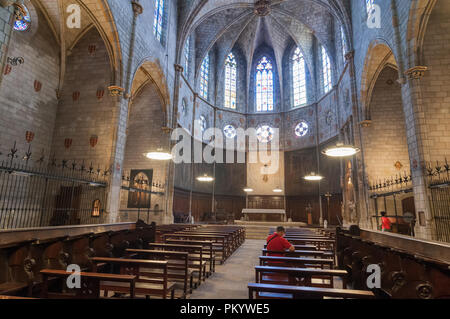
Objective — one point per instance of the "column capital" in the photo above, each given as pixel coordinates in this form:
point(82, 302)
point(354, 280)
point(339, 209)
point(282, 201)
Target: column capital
point(178, 68)
point(365, 123)
point(416, 72)
point(115, 90)
point(349, 55)
point(137, 8)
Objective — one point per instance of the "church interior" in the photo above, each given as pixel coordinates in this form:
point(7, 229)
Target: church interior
point(153, 148)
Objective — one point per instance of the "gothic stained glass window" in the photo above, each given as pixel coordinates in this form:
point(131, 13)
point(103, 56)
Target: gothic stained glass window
point(24, 23)
point(230, 82)
point(343, 42)
point(204, 77)
point(186, 57)
point(264, 85)
point(203, 124)
point(158, 22)
point(301, 129)
point(229, 131)
point(264, 133)
point(326, 71)
point(299, 78)
point(369, 6)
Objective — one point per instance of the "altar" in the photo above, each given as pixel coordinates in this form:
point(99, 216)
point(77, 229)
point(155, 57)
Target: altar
point(264, 215)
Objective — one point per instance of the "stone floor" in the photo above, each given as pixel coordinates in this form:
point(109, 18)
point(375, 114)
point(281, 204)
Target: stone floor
point(230, 280)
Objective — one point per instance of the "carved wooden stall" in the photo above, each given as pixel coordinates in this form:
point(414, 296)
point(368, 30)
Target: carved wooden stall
point(410, 268)
point(25, 252)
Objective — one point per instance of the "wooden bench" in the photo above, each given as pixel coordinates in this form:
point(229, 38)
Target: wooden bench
point(295, 262)
point(208, 253)
point(91, 284)
point(301, 247)
point(177, 271)
point(197, 264)
point(220, 244)
point(230, 242)
point(290, 276)
point(321, 244)
point(299, 253)
point(159, 286)
point(298, 292)
point(15, 298)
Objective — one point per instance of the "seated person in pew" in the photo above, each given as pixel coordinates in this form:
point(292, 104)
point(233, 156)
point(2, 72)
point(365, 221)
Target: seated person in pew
point(277, 242)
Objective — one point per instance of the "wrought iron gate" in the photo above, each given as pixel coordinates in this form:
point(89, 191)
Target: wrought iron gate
point(38, 194)
point(439, 181)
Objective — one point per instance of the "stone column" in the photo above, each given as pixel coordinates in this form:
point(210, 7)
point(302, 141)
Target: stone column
point(120, 107)
point(416, 131)
point(360, 213)
point(171, 125)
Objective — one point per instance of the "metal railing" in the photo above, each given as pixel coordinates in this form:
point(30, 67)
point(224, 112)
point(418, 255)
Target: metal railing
point(439, 183)
point(49, 192)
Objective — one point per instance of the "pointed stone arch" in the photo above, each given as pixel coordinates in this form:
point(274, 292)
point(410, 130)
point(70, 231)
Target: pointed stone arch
point(419, 15)
point(379, 55)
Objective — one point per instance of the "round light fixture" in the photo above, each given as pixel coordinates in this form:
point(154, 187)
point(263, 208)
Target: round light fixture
point(341, 150)
point(277, 190)
point(205, 178)
point(159, 155)
point(313, 177)
point(248, 190)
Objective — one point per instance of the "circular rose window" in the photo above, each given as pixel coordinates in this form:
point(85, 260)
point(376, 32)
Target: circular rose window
point(265, 133)
point(301, 129)
point(229, 131)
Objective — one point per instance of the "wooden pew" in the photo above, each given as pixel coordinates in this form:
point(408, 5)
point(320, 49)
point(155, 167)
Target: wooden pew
point(290, 276)
point(91, 283)
point(302, 247)
point(299, 253)
point(19, 272)
point(300, 292)
point(321, 244)
point(295, 262)
point(219, 242)
point(208, 253)
point(15, 298)
point(144, 286)
point(197, 264)
point(178, 272)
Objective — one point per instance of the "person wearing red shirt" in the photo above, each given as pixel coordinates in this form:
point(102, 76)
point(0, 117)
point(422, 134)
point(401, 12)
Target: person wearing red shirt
point(277, 242)
point(385, 223)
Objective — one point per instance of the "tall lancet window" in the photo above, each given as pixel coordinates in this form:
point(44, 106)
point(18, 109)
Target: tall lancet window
point(230, 82)
point(299, 78)
point(158, 21)
point(343, 42)
point(186, 57)
point(204, 78)
point(264, 85)
point(369, 6)
point(326, 71)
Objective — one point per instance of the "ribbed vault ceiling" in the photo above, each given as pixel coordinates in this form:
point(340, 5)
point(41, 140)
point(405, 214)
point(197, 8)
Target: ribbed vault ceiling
point(227, 23)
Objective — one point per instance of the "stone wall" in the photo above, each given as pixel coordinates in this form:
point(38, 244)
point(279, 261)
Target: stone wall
point(436, 95)
point(86, 108)
point(28, 91)
point(384, 140)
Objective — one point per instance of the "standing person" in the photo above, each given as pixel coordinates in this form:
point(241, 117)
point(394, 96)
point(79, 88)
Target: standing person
point(385, 223)
point(277, 242)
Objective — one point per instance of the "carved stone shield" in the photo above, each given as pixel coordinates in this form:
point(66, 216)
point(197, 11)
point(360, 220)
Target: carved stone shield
point(76, 96)
point(93, 140)
point(92, 48)
point(100, 94)
point(29, 136)
point(67, 143)
point(37, 85)
point(8, 69)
